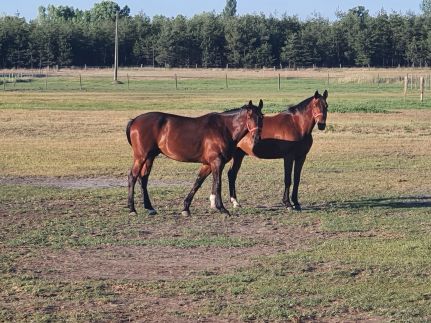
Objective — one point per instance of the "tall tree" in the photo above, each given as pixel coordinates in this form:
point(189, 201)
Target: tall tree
point(230, 8)
point(426, 7)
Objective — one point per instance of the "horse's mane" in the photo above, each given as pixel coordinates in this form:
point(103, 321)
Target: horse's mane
point(232, 111)
point(300, 107)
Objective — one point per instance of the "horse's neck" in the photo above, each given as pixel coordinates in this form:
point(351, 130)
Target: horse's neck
point(308, 121)
point(303, 121)
point(237, 126)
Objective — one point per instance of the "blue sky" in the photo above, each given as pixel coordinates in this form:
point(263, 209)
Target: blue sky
point(302, 8)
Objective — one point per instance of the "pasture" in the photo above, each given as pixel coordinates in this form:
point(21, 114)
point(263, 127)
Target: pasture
point(70, 251)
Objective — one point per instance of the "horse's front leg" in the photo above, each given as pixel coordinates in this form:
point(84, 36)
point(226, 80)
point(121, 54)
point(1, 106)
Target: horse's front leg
point(215, 198)
point(204, 171)
point(288, 165)
point(232, 174)
point(299, 162)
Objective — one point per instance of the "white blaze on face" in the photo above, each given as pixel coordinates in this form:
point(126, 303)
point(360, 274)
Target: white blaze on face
point(212, 201)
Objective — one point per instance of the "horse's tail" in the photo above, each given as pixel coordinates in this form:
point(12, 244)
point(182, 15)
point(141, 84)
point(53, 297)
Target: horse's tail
point(129, 124)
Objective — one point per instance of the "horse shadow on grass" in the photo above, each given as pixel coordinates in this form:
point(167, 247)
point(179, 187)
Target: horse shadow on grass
point(402, 202)
point(405, 202)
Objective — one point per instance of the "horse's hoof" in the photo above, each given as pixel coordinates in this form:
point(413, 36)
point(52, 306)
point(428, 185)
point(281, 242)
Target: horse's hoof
point(133, 213)
point(225, 212)
point(289, 209)
point(297, 207)
point(185, 213)
point(235, 203)
point(152, 212)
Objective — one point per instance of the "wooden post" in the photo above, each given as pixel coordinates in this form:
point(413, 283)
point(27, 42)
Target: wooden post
point(421, 86)
point(116, 50)
point(279, 82)
point(128, 82)
point(378, 80)
point(411, 82)
point(46, 80)
point(226, 82)
point(80, 82)
point(406, 82)
point(176, 82)
point(328, 78)
point(4, 83)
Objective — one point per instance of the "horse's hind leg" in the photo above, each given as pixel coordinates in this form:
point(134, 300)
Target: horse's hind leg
point(299, 162)
point(145, 174)
point(288, 165)
point(133, 176)
point(203, 174)
point(232, 174)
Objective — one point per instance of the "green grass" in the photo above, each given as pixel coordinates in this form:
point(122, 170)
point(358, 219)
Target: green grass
point(192, 94)
point(359, 250)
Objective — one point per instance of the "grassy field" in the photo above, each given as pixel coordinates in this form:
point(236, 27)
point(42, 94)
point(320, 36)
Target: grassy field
point(69, 250)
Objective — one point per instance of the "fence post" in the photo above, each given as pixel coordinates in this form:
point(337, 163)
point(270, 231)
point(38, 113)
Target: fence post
point(4, 83)
point(80, 82)
point(421, 86)
point(176, 82)
point(226, 82)
point(128, 82)
point(46, 80)
point(406, 82)
point(279, 82)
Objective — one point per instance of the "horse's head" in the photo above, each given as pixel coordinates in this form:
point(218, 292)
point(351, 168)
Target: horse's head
point(320, 109)
point(254, 119)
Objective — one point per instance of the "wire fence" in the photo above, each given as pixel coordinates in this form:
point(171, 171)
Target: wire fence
point(96, 79)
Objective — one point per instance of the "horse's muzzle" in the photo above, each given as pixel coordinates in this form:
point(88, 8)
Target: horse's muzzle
point(321, 126)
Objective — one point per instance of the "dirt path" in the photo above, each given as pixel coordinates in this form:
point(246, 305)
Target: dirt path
point(77, 183)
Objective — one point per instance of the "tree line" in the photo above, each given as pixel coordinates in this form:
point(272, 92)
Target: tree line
point(65, 36)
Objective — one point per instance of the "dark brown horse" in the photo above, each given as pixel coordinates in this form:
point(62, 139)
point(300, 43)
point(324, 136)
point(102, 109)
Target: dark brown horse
point(285, 135)
point(210, 140)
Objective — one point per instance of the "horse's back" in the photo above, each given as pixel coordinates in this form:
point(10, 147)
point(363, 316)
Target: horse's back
point(280, 137)
point(178, 137)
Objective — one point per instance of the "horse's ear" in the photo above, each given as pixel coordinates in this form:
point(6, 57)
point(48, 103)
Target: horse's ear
point(325, 94)
point(260, 105)
point(316, 94)
point(250, 103)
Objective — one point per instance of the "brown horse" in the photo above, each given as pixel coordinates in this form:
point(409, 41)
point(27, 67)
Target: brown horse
point(285, 135)
point(210, 140)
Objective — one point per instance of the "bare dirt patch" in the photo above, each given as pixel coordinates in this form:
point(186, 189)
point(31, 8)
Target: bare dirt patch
point(77, 183)
point(141, 263)
point(152, 263)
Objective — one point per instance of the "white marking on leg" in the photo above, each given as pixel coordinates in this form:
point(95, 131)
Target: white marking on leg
point(212, 201)
point(235, 202)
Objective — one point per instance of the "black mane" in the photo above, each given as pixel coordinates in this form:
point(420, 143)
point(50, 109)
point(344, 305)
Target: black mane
point(232, 111)
point(300, 107)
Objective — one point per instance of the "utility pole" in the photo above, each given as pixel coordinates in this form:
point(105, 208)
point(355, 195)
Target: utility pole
point(116, 51)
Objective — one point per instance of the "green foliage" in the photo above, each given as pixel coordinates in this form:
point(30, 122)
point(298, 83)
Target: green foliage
point(426, 7)
point(65, 36)
point(230, 9)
